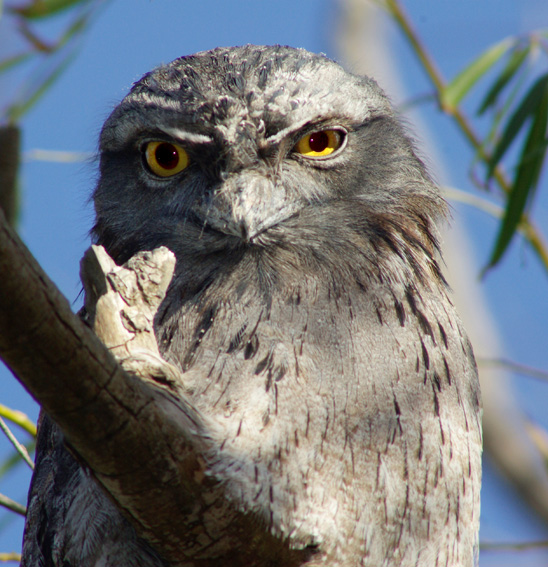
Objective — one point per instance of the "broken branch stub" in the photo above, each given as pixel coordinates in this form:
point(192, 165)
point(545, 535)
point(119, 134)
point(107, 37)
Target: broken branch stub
point(180, 442)
point(121, 302)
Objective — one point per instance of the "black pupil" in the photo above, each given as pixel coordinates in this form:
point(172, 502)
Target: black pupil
point(167, 156)
point(319, 141)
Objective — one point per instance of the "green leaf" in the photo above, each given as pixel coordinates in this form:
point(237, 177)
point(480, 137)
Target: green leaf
point(19, 418)
point(528, 106)
point(17, 110)
point(10, 62)
point(526, 180)
point(38, 9)
point(457, 89)
point(76, 27)
point(66, 48)
point(515, 61)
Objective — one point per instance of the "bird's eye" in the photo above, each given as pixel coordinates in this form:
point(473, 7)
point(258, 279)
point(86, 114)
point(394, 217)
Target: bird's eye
point(319, 144)
point(165, 159)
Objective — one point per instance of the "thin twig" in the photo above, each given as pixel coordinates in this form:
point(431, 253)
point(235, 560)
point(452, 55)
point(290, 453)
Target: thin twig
point(57, 156)
point(517, 367)
point(18, 447)
point(12, 505)
point(439, 82)
point(415, 101)
point(513, 546)
point(532, 234)
point(525, 227)
point(453, 194)
point(12, 556)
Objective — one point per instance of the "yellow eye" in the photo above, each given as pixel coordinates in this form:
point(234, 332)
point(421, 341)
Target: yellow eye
point(319, 144)
point(166, 159)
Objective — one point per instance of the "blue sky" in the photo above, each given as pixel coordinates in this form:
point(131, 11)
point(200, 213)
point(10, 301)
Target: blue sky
point(129, 37)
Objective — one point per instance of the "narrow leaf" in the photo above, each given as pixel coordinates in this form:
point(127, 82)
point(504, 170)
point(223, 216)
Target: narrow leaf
point(19, 418)
point(526, 180)
point(17, 110)
point(10, 62)
point(457, 89)
point(44, 8)
point(526, 108)
point(515, 61)
point(76, 27)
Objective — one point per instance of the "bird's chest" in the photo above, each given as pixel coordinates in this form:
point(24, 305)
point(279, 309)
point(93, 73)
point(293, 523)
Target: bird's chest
point(338, 413)
point(320, 366)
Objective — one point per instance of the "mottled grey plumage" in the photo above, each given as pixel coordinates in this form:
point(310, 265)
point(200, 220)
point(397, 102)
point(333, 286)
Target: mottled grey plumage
point(308, 301)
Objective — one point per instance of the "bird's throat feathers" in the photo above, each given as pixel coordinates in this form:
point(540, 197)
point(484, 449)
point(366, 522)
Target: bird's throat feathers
point(350, 255)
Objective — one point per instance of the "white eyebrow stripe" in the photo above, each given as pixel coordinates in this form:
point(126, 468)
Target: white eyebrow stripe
point(276, 138)
point(186, 136)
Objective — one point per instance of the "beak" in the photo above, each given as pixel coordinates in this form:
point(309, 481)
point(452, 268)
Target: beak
point(246, 204)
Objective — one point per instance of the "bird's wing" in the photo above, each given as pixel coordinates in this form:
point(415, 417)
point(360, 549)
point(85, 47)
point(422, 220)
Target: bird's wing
point(70, 521)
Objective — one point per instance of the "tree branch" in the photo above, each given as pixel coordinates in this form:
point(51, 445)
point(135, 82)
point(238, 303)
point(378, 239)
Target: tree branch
point(145, 443)
point(9, 164)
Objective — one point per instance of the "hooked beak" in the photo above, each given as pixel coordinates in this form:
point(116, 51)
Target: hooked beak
point(246, 204)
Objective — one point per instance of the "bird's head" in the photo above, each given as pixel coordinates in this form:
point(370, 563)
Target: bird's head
point(256, 148)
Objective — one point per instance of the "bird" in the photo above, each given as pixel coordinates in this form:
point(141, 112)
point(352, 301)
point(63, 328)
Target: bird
point(308, 314)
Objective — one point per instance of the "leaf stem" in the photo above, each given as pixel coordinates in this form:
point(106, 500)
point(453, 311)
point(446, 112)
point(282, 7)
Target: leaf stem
point(7, 502)
point(18, 447)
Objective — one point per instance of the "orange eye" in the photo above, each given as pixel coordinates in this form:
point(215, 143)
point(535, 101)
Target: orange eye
point(166, 159)
point(319, 144)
